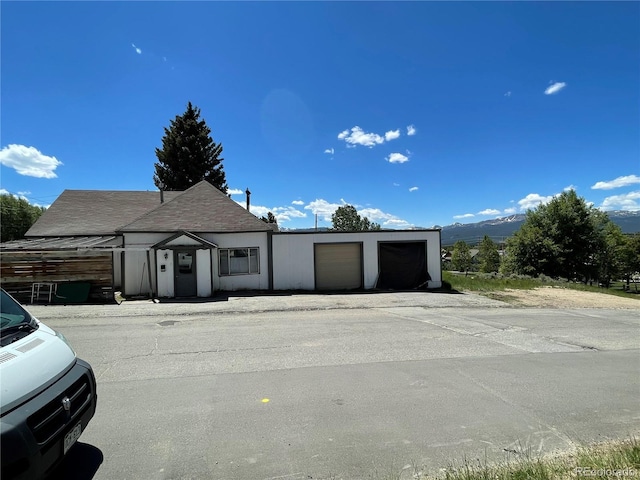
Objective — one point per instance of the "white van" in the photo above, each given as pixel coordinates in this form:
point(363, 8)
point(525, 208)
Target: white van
point(47, 395)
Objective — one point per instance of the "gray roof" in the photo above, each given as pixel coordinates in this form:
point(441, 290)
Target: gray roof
point(201, 208)
point(94, 212)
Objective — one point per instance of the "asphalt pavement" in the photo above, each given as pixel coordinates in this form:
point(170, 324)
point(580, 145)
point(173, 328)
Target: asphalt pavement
point(351, 386)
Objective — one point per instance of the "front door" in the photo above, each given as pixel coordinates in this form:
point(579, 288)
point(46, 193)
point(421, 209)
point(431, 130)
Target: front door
point(185, 271)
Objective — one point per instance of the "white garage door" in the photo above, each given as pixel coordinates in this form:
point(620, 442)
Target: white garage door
point(338, 266)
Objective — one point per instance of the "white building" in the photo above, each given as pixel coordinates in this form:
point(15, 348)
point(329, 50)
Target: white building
point(197, 242)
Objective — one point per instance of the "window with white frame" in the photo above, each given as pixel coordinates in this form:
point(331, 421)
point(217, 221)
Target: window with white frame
point(239, 261)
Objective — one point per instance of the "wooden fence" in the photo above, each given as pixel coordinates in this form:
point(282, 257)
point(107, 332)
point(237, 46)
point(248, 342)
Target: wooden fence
point(19, 270)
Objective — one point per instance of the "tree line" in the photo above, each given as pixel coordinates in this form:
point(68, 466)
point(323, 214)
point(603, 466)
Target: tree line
point(565, 238)
point(16, 217)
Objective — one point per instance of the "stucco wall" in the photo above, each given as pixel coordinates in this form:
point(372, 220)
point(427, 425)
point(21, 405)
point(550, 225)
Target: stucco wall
point(293, 255)
point(241, 240)
point(136, 272)
point(203, 272)
point(166, 278)
point(136, 276)
point(136, 281)
point(293, 260)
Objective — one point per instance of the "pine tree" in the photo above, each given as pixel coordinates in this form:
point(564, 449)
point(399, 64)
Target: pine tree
point(189, 154)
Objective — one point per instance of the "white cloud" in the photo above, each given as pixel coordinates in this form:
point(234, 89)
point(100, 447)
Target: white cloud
point(138, 51)
point(617, 183)
point(533, 200)
point(323, 208)
point(19, 195)
point(257, 210)
point(392, 135)
point(508, 94)
point(357, 136)
point(385, 219)
point(397, 158)
point(297, 202)
point(284, 214)
point(511, 210)
point(22, 196)
point(396, 184)
point(411, 130)
point(235, 191)
point(489, 211)
point(555, 88)
point(569, 188)
point(626, 201)
point(329, 151)
point(466, 215)
point(413, 189)
point(29, 161)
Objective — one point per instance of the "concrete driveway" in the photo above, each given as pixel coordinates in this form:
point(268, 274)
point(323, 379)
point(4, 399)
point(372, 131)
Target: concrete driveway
point(344, 386)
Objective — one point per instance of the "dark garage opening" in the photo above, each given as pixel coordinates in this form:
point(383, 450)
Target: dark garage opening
point(402, 266)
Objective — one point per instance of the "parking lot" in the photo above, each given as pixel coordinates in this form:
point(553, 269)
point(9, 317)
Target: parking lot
point(343, 386)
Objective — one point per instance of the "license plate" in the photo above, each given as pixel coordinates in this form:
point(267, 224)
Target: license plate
point(71, 437)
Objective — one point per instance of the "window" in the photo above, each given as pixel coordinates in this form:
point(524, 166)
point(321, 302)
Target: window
point(185, 263)
point(239, 261)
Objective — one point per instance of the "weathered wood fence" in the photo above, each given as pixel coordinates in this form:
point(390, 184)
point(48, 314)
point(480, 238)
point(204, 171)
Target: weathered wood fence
point(19, 270)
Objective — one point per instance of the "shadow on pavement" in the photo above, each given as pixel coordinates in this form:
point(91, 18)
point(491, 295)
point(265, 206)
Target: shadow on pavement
point(81, 463)
point(225, 296)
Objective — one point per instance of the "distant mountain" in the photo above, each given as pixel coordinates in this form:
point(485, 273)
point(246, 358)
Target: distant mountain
point(499, 229)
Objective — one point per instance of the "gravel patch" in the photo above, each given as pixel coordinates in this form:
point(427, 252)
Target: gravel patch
point(558, 297)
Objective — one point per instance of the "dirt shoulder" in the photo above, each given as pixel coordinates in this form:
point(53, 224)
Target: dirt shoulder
point(557, 297)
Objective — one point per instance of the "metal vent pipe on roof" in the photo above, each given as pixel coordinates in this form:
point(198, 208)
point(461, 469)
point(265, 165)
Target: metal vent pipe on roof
point(248, 199)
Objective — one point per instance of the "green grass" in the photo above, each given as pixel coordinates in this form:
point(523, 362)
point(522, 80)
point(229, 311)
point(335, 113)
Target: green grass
point(610, 460)
point(490, 284)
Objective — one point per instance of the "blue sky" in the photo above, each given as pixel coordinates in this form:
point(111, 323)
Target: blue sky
point(417, 113)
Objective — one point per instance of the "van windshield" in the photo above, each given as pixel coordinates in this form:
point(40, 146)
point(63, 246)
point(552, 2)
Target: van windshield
point(11, 312)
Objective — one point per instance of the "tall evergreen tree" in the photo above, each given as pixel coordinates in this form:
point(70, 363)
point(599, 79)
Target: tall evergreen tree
point(189, 154)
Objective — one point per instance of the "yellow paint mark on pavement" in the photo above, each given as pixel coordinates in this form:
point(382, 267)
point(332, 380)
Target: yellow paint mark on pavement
point(265, 400)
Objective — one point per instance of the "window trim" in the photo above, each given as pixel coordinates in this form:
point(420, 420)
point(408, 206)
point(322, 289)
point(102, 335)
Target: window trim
point(223, 251)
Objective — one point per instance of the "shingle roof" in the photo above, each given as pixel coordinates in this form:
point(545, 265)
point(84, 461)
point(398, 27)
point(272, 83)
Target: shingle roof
point(94, 212)
point(201, 208)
